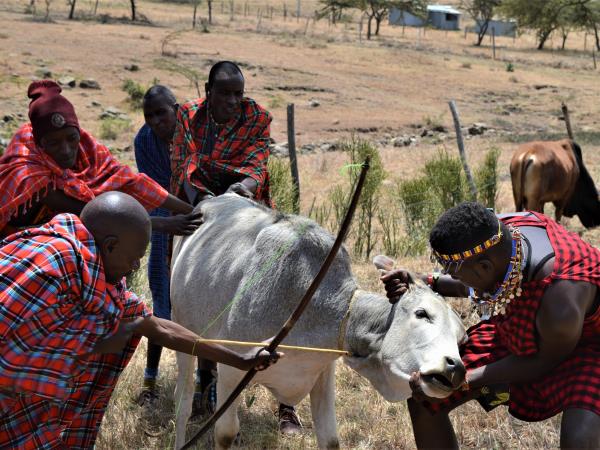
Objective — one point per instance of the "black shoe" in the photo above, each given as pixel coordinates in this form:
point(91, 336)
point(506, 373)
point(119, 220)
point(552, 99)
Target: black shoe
point(289, 422)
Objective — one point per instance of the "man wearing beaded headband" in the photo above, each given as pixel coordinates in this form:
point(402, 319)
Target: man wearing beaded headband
point(538, 346)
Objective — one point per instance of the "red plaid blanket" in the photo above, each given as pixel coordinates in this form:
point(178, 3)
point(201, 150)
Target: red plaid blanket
point(241, 148)
point(54, 307)
point(26, 172)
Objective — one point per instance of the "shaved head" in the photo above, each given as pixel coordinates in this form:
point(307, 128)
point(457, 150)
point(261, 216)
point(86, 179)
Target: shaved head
point(121, 228)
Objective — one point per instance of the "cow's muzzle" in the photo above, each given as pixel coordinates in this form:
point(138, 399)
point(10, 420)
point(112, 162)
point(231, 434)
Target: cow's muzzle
point(450, 378)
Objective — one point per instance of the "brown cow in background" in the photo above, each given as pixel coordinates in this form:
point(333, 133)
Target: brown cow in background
point(554, 172)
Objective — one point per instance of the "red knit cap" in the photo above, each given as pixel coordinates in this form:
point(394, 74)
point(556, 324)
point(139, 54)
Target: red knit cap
point(48, 110)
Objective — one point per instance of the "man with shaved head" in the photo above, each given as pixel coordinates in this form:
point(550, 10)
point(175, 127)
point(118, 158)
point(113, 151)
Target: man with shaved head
point(68, 327)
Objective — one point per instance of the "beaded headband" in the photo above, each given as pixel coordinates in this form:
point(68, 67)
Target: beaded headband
point(462, 256)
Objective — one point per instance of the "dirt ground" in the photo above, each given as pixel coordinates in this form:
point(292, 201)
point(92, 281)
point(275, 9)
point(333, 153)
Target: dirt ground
point(377, 90)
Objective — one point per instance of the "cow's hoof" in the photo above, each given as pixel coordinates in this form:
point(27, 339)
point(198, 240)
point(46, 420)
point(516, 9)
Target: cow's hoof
point(289, 422)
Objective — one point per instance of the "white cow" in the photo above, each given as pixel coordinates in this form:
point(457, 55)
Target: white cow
point(264, 261)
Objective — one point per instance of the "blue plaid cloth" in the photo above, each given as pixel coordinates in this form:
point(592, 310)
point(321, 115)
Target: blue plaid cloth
point(153, 159)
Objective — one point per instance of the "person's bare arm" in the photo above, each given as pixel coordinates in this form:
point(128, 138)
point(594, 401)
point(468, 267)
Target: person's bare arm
point(60, 202)
point(397, 281)
point(177, 205)
point(559, 323)
point(172, 335)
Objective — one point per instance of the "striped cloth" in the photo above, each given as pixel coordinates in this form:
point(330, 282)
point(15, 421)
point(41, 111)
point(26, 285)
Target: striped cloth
point(212, 163)
point(55, 305)
point(153, 158)
point(26, 172)
point(574, 383)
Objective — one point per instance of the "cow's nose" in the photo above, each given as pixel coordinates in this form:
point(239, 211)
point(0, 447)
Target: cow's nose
point(455, 371)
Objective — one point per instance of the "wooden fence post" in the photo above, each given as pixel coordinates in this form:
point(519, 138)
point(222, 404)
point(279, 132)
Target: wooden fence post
point(494, 43)
point(461, 150)
point(292, 154)
point(565, 111)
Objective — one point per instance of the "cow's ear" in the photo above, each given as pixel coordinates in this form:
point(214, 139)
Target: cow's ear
point(383, 262)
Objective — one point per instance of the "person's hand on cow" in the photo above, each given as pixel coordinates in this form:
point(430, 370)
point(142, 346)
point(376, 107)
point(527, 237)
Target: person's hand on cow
point(180, 224)
point(396, 283)
point(260, 360)
point(241, 189)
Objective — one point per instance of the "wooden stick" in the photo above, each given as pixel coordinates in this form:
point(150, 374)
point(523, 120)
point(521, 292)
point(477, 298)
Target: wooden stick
point(461, 150)
point(292, 155)
point(262, 344)
point(565, 111)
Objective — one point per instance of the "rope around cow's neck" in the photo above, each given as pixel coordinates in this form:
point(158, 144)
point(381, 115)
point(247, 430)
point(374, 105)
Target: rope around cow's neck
point(289, 324)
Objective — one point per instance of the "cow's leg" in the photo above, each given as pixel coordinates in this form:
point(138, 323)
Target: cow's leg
point(558, 211)
point(184, 393)
point(227, 427)
point(322, 406)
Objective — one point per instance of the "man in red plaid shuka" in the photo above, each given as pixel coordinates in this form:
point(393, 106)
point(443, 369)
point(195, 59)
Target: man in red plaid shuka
point(68, 327)
point(221, 142)
point(539, 349)
point(52, 165)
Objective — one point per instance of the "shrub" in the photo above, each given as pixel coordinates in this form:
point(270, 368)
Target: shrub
point(135, 91)
point(282, 185)
point(368, 205)
point(111, 128)
point(446, 179)
point(486, 178)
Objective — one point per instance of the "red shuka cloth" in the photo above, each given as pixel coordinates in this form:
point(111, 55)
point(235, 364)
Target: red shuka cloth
point(26, 172)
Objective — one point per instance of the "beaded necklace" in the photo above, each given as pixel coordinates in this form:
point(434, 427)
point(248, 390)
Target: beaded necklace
point(509, 289)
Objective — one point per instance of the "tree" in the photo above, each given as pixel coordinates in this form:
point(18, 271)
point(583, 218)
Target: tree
point(542, 16)
point(379, 9)
point(586, 15)
point(71, 3)
point(481, 11)
point(132, 10)
point(334, 9)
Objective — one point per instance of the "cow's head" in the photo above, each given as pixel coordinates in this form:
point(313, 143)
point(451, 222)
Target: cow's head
point(419, 333)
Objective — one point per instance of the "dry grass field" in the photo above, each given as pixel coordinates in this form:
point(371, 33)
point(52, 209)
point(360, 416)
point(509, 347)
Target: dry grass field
point(375, 89)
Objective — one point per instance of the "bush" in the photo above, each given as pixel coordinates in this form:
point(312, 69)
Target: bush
point(282, 185)
point(112, 128)
point(446, 179)
point(135, 91)
point(368, 204)
point(486, 178)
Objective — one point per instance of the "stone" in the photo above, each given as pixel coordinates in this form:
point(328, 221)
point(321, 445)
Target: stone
point(111, 113)
point(89, 83)
point(8, 118)
point(95, 103)
point(336, 122)
point(402, 141)
point(67, 81)
point(314, 103)
point(477, 129)
point(439, 129)
point(279, 149)
point(132, 67)
point(43, 72)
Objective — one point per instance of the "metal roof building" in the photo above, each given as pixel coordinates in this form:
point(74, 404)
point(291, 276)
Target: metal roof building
point(443, 17)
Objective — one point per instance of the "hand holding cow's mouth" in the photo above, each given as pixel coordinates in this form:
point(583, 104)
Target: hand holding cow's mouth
point(438, 387)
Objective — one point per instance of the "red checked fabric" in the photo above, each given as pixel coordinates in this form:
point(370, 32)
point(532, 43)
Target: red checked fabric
point(26, 172)
point(575, 383)
point(54, 307)
point(242, 147)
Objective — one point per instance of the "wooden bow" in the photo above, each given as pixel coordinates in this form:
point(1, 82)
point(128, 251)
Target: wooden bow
point(289, 324)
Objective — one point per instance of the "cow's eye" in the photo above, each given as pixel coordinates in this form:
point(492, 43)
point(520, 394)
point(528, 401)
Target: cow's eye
point(422, 314)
